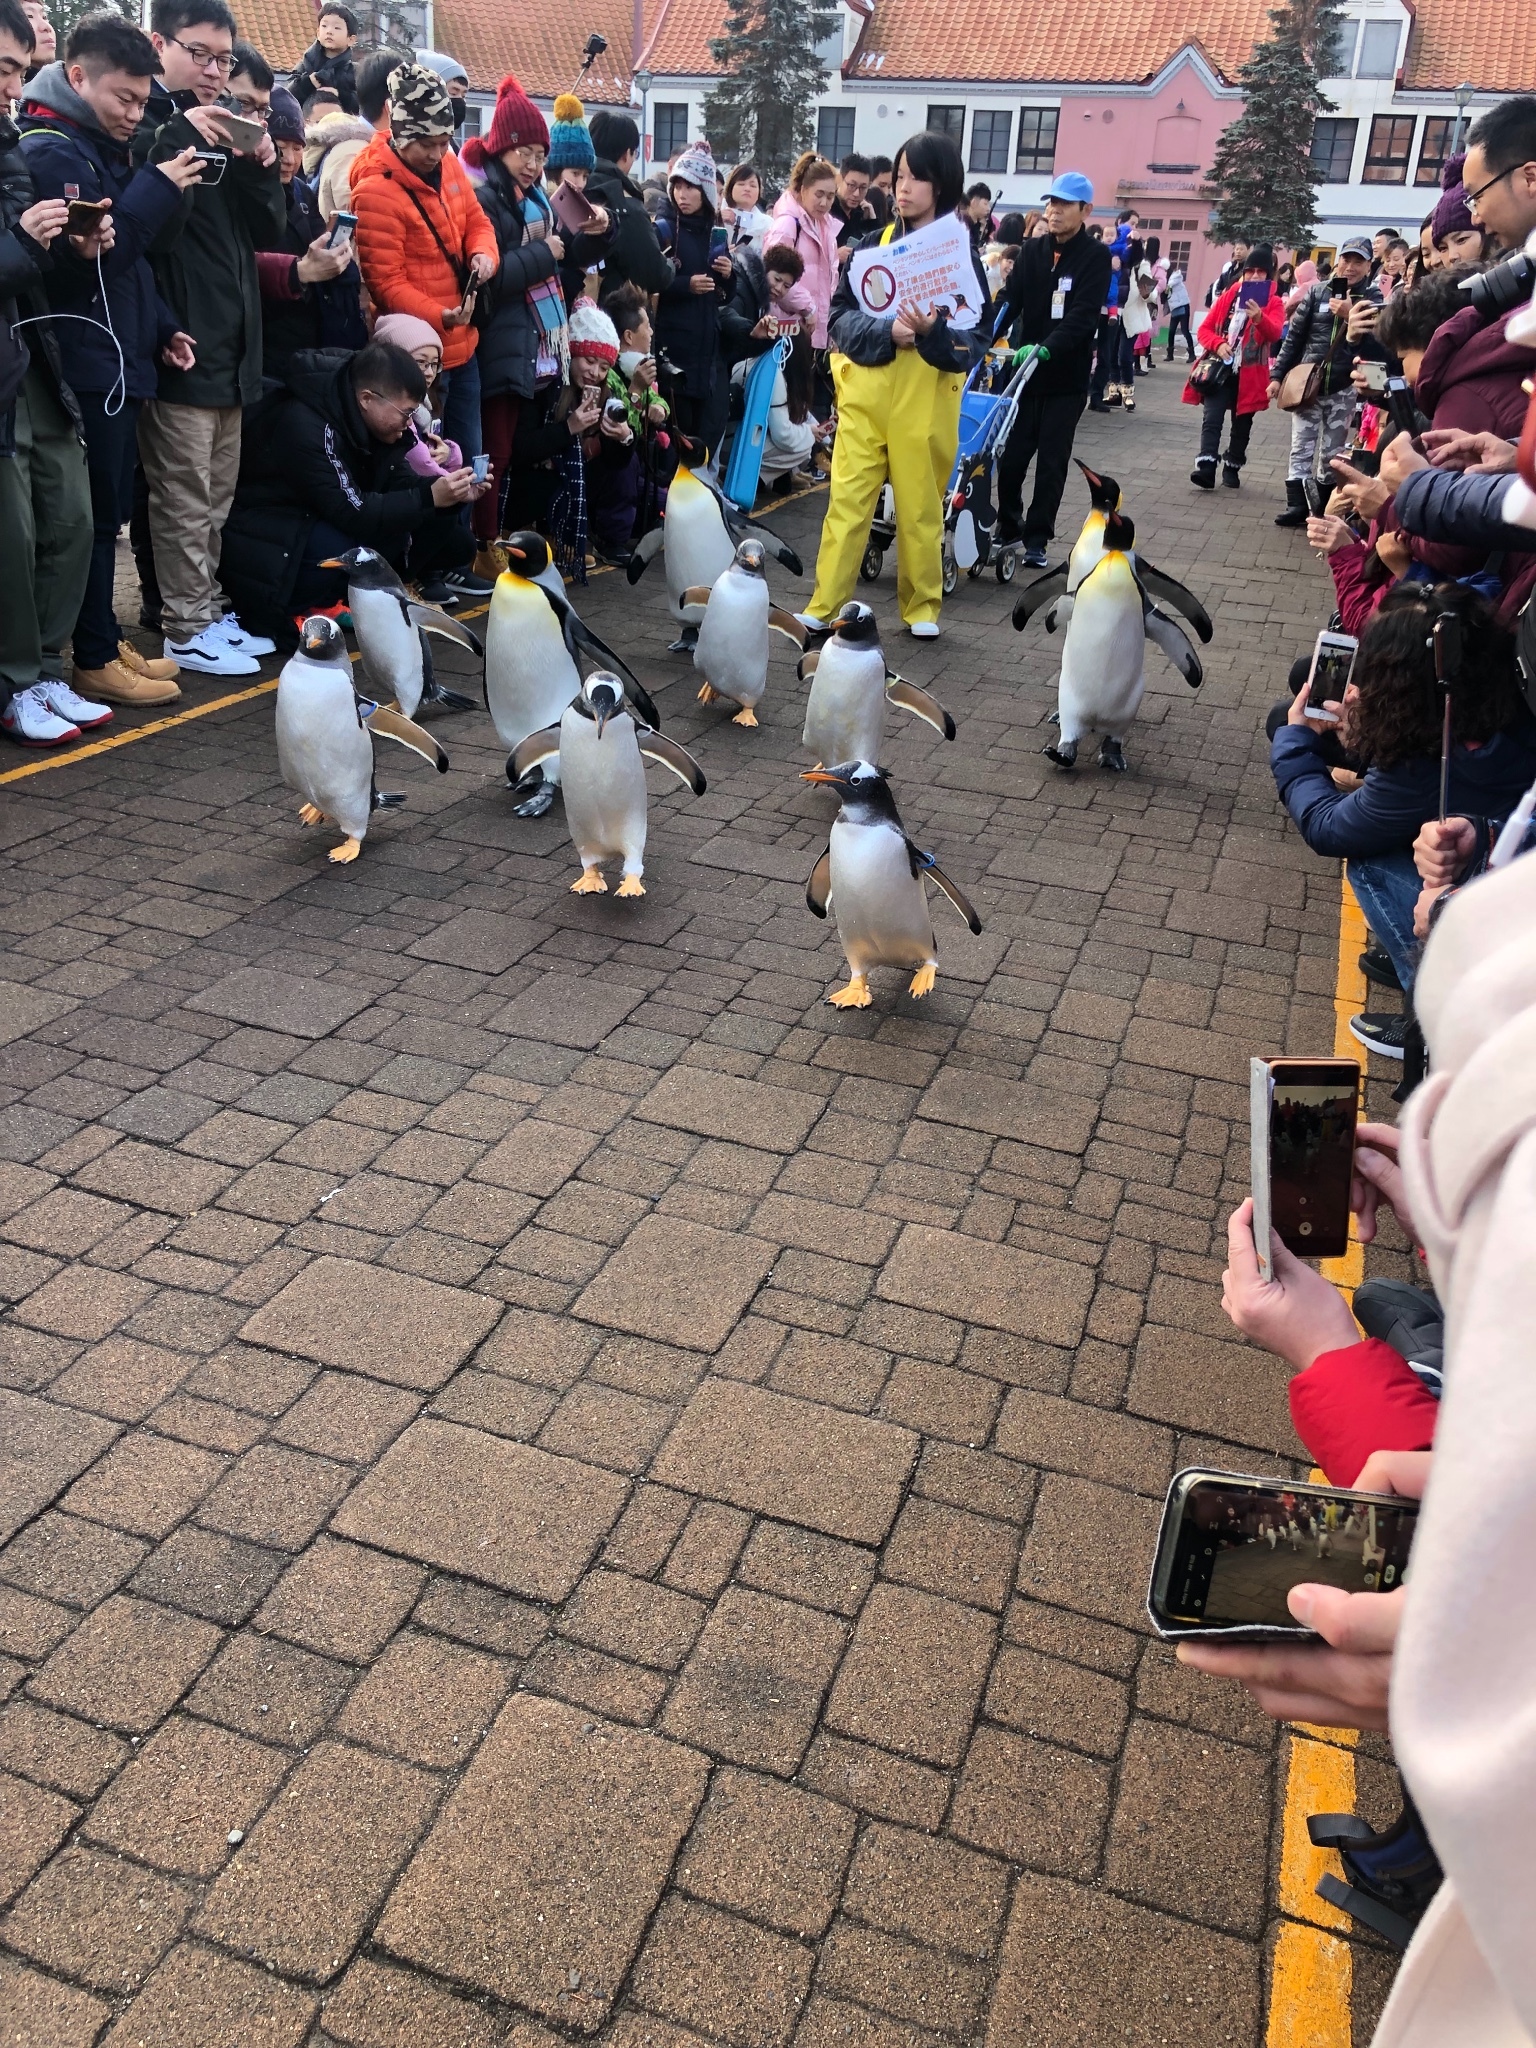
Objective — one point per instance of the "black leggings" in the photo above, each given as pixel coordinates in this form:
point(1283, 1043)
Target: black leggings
point(1178, 323)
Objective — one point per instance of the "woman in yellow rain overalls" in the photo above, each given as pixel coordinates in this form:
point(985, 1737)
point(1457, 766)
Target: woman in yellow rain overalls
point(898, 384)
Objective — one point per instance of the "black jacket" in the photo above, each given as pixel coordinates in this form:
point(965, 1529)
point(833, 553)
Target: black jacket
point(307, 454)
point(688, 322)
point(1044, 266)
point(63, 147)
point(316, 67)
point(634, 255)
point(746, 305)
point(857, 228)
point(1317, 332)
point(24, 267)
point(325, 315)
point(509, 341)
point(208, 279)
point(867, 340)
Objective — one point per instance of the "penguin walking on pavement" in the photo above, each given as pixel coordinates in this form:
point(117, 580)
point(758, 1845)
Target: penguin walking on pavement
point(1103, 661)
point(850, 689)
point(602, 743)
point(391, 630)
point(732, 654)
point(700, 533)
point(1057, 589)
point(875, 878)
point(536, 651)
point(325, 735)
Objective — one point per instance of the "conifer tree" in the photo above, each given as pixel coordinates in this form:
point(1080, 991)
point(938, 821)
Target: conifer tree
point(764, 106)
point(1264, 175)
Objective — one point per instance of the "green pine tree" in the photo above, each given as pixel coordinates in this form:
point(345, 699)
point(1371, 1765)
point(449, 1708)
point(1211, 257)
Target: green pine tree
point(1264, 176)
point(65, 13)
point(764, 106)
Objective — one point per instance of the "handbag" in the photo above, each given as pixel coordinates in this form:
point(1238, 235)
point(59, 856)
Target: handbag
point(1212, 377)
point(1300, 386)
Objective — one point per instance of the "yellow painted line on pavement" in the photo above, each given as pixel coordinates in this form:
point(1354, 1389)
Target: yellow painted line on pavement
point(1310, 1982)
point(1349, 996)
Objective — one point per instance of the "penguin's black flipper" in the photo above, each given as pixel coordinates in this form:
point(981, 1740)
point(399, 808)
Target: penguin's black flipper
point(431, 620)
point(583, 645)
point(818, 888)
point(1029, 600)
point(925, 864)
point(532, 752)
point(910, 698)
point(640, 700)
point(806, 666)
point(1166, 591)
point(391, 724)
point(740, 529)
point(1174, 642)
point(646, 549)
point(657, 747)
point(787, 624)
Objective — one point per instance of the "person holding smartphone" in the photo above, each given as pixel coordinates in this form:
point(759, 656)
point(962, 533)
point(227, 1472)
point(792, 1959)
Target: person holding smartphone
point(1236, 336)
point(1319, 338)
point(311, 288)
point(688, 312)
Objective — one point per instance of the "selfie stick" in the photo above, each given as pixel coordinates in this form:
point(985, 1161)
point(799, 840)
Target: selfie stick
point(1446, 640)
point(596, 45)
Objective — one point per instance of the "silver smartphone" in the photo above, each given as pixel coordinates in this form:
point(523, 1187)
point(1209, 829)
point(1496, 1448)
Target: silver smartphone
point(243, 134)
point(1333, 661)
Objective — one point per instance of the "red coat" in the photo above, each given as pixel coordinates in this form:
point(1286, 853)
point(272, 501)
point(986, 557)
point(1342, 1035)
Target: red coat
point(1360, 1399)
point(403, 261)
point(1258, 345)
point(1471, 376)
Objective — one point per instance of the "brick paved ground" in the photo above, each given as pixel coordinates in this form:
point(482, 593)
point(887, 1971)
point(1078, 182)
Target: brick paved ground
point(555, 1482)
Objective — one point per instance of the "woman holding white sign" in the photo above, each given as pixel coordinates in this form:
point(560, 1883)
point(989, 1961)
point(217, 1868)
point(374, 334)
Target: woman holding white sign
point(908, 321)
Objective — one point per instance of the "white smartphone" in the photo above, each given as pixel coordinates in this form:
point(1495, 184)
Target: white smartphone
point(1333, 660)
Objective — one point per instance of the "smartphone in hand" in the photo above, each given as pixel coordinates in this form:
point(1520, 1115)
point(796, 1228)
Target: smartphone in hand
point(1333, 659)
point(1302, 1149)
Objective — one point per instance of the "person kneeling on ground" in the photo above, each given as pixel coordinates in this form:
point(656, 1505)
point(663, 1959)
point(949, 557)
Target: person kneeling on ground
point(325, 470)
point(575, 459)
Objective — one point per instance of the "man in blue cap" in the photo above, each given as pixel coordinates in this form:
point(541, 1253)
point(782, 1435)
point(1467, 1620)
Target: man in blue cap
point(1055, 292)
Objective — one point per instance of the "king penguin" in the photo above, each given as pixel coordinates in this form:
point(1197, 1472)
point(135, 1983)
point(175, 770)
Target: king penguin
point(602, 746)
point(536, 648)
point(1057, 588)
point(850, 688)
point(325, 737)
point(391, 629)
point(700, 532)
point(732, 654)
point(530, 551)
point(873, 876)
point(1104, 659)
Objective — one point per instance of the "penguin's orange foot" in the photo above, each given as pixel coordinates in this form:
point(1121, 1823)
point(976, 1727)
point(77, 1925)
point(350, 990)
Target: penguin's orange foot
point(591, 883)
point(308, 815)
point(855, 996)
point(922, 982)
point(631, 886)
point(745, 716)
point(707, 693)
point(348, 850)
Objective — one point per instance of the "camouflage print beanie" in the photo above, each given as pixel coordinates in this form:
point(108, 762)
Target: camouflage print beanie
point(419, 106)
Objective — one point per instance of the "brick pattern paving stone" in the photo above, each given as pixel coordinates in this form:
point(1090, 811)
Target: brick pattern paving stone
point(550, 1482)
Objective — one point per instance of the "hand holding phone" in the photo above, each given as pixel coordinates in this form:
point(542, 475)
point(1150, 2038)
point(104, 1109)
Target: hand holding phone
point(1302, 1144)
point(341, 229)
point(1333, 661)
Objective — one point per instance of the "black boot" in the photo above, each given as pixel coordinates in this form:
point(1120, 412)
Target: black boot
point(1231, 476)
point(1204, 473)
point(1295, 513)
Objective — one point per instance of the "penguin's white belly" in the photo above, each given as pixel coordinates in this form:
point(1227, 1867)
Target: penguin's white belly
point(322, 751)
point(391, 647)
point(529, 675)
point(1102, 664)
point(603, 779)
point(732, 653)
point(845, 712)
point(1087, 551)
point(696, 545)
point(881, 907)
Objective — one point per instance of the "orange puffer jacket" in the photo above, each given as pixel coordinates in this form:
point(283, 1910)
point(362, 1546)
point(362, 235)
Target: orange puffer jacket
point(404, 267)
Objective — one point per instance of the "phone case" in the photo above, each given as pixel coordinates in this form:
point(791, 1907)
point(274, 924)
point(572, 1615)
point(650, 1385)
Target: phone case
point(1261, 1087)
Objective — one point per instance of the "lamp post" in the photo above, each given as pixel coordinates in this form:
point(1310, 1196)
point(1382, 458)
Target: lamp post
point(643, 86)
point(1464, 95)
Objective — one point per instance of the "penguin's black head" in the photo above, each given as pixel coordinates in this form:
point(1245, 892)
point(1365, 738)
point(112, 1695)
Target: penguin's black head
point(695, 453)
point(604, 694)
point(321, 639)
point(366, 569)
point(855, 623)
point(864, 789)
point(751, 555)
point(530, 551)
point(1103, 490)
point(1119, 534)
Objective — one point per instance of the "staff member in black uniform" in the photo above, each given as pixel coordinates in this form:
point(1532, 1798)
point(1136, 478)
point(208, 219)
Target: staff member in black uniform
point(1054, 292)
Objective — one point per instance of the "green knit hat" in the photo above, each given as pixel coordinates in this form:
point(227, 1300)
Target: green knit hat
point(570, 144)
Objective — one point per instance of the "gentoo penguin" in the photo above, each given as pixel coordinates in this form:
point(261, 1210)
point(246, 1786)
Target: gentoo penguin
point(390, 627)
point(699, 532)
point(536, 649)
point(732, 654)
point(599, 743)
point(1057, 588)
point(1103, 660)
point(530, 552)
point(850, 688)
point(324, 736)
point(873, 876)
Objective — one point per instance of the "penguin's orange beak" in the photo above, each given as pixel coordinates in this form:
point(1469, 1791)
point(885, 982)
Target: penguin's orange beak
point(817, 775)
point(332, 562)
point(517, 554)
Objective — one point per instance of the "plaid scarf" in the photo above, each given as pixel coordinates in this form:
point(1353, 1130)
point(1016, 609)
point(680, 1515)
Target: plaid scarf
point(546, 300)
point(568, 512)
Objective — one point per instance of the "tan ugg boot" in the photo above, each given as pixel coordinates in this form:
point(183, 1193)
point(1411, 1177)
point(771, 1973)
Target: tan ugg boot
point(488, 562)
point(117, 683)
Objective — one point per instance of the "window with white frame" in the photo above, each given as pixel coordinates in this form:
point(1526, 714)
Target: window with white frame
point(1036, 152)
point(1378, 50)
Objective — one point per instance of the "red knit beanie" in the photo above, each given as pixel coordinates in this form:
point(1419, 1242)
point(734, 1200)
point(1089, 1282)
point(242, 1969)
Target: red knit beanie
point(516, 120)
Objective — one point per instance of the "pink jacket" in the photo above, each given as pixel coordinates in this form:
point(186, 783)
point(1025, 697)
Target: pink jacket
point(816, 242)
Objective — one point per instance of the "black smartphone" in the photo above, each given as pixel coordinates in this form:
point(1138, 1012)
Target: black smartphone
point(1317, 493)
point(1232, 1547)
point(1302, 1141)
point(1333, 658)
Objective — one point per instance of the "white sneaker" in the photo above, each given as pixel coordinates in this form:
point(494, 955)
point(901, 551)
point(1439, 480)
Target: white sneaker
point(924, 629)
point(28, 719)
point(812, 624)
point(211, 655)
point(229, 628)
point(69, 705)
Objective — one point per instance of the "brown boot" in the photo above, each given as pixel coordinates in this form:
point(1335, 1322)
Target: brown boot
point(145, 665)
point(117, 683)
point(487, 562)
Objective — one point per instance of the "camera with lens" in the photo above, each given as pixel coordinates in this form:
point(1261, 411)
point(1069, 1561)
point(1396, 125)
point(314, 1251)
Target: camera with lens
point(1495, 291)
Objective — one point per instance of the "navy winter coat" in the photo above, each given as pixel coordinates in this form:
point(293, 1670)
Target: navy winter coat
point(1385, 813)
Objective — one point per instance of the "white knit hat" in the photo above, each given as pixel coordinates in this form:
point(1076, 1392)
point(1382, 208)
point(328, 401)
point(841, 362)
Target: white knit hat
point(696, 166)
point(593, 333)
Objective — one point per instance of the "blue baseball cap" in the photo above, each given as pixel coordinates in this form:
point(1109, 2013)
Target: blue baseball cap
point(1071, 185)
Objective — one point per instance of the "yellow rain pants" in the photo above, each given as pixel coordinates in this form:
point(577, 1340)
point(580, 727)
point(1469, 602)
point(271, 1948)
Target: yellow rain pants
point(901, 420)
